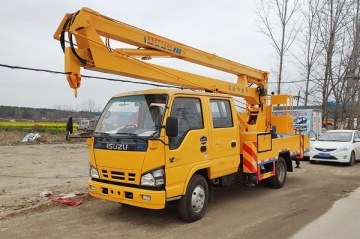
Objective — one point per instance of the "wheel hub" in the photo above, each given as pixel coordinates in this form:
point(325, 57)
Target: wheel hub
point(198, 198)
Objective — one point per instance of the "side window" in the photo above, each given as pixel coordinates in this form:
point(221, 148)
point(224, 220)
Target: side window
point(189, 114)
point(221, 114)
point(356, 136)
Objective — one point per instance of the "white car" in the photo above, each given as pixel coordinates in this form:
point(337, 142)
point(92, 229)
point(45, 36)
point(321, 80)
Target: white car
point(341, 146)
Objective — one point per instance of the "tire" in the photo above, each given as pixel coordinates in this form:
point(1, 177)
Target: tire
point(279, 179)
point(193, 204)
point(352, 159)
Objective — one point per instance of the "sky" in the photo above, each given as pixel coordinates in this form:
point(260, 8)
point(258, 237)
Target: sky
point(226, 28)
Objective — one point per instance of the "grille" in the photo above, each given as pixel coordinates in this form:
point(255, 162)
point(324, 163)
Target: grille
point(119, 176)
point(324, 150)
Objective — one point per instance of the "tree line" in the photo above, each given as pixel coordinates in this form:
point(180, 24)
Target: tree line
point(317, 52)
point(42, 114)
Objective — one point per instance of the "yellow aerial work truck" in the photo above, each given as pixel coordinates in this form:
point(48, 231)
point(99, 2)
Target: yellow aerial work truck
point(156, 146)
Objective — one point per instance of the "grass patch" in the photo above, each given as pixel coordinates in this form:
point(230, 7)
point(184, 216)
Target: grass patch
point(35, 127)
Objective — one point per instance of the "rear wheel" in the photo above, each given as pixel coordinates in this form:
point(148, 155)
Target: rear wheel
point(352, 159)
point(278, 180)
point(193, 204)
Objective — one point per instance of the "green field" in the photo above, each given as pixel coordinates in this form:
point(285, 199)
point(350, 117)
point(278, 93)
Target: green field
point(31, 127)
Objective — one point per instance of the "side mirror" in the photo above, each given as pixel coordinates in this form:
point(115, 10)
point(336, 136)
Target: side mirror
point(312, 136)
point(171, 127)
point(69, 130)
point(357, 140)
point(69, 127)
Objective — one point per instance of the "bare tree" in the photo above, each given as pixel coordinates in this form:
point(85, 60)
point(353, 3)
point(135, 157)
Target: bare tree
point(309, 46)
point(278, 23)
point(338, 82)
point(353, 81)
point(88, 106)
point(333, 18)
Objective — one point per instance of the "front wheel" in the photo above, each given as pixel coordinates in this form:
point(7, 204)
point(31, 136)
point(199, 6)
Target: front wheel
point(193, 204)
point(352, 159)
point(278, 180)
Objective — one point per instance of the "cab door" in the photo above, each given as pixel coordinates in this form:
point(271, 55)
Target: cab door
point(225, 137)
point(189, 148)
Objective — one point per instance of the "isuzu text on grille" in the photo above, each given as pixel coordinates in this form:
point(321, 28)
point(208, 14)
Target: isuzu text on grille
point(117, 146)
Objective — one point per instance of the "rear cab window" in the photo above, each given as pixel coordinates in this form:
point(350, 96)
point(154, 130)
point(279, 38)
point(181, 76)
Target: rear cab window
point(221, 113)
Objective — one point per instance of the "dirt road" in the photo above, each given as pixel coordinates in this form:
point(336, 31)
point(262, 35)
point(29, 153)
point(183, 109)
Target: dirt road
point(237, 212)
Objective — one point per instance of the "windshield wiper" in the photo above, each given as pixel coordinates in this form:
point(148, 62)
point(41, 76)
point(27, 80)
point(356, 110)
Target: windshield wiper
point(135, 136)
point(130, 134)
point(101, 134)
point(104, 134)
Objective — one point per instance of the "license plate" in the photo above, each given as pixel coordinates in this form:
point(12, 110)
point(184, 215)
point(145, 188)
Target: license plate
point(324, 155)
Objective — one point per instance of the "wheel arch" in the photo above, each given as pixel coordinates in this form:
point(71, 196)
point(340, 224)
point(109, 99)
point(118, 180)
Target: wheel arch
point(350, 159)
point(288, 160)
point(197, 169)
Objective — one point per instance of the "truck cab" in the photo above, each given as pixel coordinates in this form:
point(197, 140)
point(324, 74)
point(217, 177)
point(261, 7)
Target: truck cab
point(134, 161)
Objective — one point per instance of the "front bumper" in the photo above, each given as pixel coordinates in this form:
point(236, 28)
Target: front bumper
point(127, 195)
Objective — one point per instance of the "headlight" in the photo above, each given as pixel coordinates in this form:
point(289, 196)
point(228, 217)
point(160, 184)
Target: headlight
point(155, 177)
point(148, 180)
point(342, 149)
point(93, 172)
point(312, 148)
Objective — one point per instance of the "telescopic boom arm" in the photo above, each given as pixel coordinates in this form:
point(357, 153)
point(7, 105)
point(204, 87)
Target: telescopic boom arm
point(89, 35)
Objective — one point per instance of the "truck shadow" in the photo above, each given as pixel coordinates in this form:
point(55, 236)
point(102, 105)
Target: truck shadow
point(224, 198)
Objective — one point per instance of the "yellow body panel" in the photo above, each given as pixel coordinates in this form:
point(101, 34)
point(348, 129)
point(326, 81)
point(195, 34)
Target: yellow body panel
point(279, 99)
point(119, 159)
point(284, 123)
point(267, 149)
point(185, 158)
point(287, 144)
point(264, 142)
point(224, 150)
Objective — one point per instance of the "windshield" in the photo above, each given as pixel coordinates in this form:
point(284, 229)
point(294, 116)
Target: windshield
point(137, 115)
point(336, 136)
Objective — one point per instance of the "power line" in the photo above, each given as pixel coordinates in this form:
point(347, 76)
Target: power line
point(147, 83)
point(312, 80)
point(86, 76)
